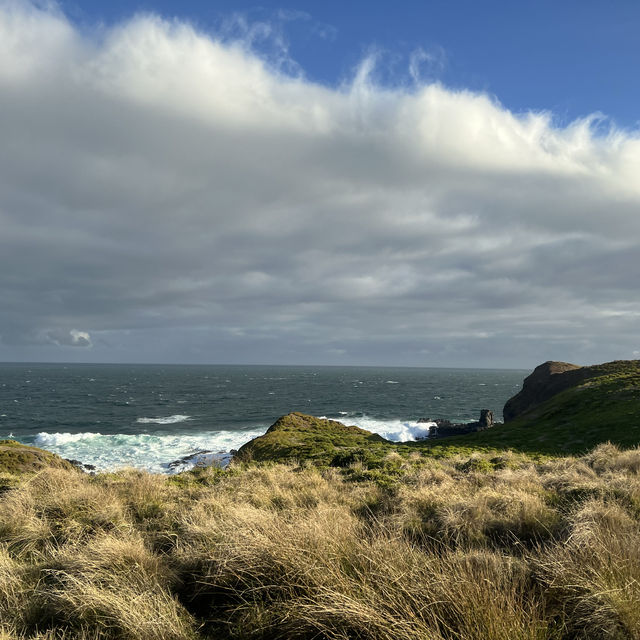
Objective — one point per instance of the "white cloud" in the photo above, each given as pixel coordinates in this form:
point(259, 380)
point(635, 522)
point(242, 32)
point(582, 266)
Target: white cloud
point(71, 338)
point(182, 198)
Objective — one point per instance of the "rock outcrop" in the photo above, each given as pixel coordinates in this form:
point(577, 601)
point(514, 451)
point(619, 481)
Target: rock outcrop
point(78, 464)
point(486, 419)
point(200, 459)
point(446, 428)
point(547, 380)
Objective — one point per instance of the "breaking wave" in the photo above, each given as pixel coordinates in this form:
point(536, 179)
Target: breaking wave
point(394, 430)
point(154, 453)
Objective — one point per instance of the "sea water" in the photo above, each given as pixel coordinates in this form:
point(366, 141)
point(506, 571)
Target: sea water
point(148, 416)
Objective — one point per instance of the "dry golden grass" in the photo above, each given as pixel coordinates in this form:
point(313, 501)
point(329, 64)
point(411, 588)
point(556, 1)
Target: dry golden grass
point(480, 549)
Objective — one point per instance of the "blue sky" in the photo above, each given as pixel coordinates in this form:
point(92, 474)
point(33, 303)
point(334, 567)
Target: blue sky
point(420, 184)
point(572, 57)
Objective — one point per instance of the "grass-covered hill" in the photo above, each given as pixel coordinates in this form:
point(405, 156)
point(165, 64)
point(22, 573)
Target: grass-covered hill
point(297, 436)
point(568, 409)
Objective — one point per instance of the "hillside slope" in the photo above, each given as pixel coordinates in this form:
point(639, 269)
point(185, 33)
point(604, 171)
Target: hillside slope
point(575, 410)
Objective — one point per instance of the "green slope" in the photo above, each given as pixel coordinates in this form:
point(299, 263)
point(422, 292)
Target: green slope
point(603, 407)
point(17, 458)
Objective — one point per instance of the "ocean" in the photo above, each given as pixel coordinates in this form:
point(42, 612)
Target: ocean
point(148, 416)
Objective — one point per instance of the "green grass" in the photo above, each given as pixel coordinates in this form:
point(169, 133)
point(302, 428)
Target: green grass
point(605, 408)
point(297, 436)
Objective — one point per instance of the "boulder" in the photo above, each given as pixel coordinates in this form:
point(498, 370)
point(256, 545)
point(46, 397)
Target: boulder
point(89, 468)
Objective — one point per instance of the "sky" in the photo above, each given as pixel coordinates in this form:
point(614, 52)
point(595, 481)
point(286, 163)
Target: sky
point(408, 183)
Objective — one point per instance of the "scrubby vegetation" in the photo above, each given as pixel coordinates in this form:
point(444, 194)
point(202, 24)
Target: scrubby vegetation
point(482, 547)
point(298, 436)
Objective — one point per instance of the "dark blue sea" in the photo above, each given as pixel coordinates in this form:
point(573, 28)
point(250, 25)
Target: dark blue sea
point(149, 415)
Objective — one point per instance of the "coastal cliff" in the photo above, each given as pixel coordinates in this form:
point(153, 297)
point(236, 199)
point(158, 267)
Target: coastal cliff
point(562, 408)
point(547, 379)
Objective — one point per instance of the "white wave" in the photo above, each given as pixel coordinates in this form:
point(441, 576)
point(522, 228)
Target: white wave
point(394, 430)
point(164, 420)
point(46, 440)
point(392, 382)
point(108, 452)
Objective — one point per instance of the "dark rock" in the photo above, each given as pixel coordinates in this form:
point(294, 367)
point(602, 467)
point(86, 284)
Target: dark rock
point(195, 457)
point(486, 419)
point(446, 428)
point(81, 465)
point(546, 381)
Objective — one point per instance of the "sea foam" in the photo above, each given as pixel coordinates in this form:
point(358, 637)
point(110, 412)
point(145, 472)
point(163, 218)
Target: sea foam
point(394, 430)
point(152, 452)
point(155, 452)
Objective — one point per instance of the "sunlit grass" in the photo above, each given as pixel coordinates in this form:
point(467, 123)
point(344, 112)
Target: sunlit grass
point(481, 547)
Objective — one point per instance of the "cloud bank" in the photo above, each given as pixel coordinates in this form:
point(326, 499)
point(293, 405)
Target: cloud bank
point(170, 195)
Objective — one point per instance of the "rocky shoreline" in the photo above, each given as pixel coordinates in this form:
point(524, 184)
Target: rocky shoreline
point(445, 428)
point(540, 404)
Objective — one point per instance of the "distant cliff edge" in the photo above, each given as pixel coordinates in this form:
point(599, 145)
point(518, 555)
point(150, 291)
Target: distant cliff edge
point(551, 377)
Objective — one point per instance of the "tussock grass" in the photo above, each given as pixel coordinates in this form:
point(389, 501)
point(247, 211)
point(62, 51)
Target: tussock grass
point(469, 547)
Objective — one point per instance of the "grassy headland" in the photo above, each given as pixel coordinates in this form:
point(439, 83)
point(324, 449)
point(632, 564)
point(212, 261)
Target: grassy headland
point(601, 404)
point(354, 537)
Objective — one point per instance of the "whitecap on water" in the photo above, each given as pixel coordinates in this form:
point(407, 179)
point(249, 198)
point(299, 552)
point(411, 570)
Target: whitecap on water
point(164, 420)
